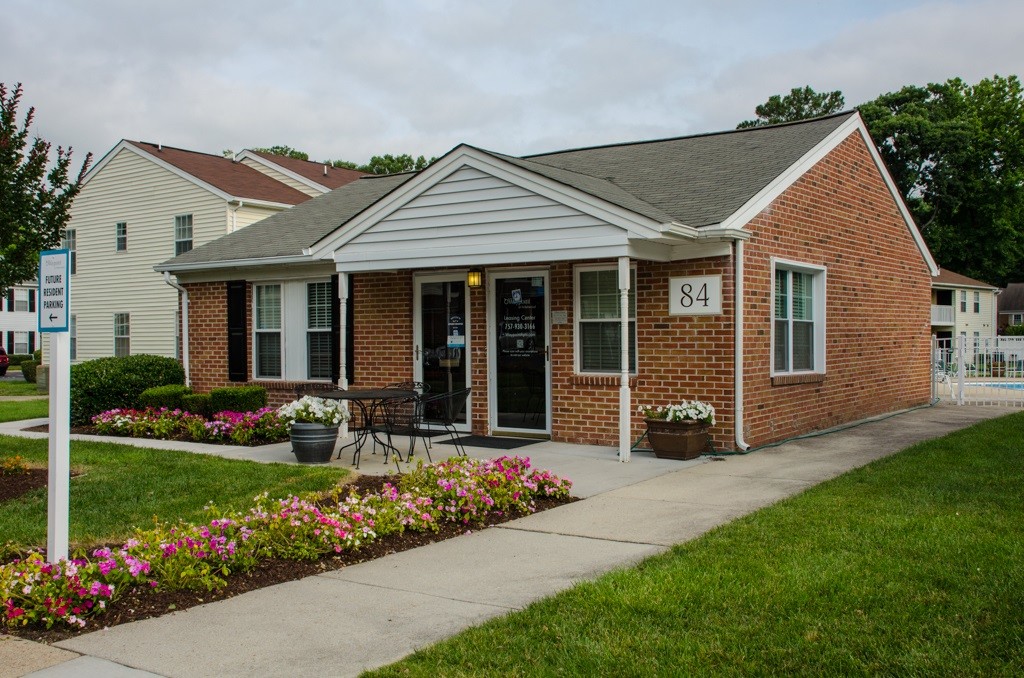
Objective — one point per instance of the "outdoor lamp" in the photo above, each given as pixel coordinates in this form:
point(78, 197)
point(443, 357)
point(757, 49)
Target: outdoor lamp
point(475, 277)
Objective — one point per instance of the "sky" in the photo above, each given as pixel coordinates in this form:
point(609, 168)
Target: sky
point(344, 79)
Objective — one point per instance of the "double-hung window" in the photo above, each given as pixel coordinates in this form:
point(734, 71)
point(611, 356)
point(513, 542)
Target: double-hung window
point(121, 236)
point(70, 242)
point(598, 320)
point(21, 343)
point(268, 330)
point(798, 332)
point(977, 302)
point(963, 301)
point(21, 301)
point(318, 330)
point(122, 334)
point(182, 233)
point(73, 335)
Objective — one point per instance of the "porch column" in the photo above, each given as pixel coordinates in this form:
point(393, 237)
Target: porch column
point(625, 411)
point(343, 330)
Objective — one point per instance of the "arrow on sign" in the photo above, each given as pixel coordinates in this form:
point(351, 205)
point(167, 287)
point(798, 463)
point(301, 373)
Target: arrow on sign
point(52, 317)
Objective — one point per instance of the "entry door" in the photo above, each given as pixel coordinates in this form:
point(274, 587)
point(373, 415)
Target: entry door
point(519, 353)
point(441, 336)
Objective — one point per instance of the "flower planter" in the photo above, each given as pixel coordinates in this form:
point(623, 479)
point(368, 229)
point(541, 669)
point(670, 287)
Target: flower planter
point(677, 439)
point(313, 443)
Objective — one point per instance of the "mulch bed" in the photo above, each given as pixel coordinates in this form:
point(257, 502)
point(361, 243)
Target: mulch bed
point(142, 602)
point(13, 485)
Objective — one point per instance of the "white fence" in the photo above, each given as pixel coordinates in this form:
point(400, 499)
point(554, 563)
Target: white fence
point(979, 371)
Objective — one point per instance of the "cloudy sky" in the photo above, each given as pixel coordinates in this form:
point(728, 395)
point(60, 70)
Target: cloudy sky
point(344, 79)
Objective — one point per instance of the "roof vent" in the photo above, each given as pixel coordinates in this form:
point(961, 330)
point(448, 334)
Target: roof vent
point(159, 147)
point(325, 170)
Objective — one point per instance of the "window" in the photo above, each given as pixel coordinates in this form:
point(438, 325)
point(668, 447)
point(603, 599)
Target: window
point(798, 333)
point(21, 343)
point(318, 330)
point(963, 301)
point(21, 300)
point(121, 236)
point(598, 324)
point(70, 243)
point(268, 340)
point(1017, 319)
point(122, 334)
point(977, 302)
point(182, 233)
point(73, 335)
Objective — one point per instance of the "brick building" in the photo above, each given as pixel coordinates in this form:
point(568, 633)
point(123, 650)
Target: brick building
point(774, 272)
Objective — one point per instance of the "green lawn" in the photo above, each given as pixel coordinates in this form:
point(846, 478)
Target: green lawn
point(16, 410)
point(122, 486)
point(19, 388)
point(913, 565)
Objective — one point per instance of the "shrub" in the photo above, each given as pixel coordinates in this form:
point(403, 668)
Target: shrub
point(170, 396)
point(28, 371)
point(238, 398)
point(15, 359)
point(110, 383)
point(1014, 331)
point(197, 403)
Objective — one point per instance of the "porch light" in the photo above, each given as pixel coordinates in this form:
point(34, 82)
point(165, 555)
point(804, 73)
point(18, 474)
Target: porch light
point(475, 277)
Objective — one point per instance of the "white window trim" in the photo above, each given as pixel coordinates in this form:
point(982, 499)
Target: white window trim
point(20, 339)
point(122, 336)
point(819, 276)
point(977, 302)
point(280, 330)
point(319, 330)
point(118, 237)
point(294, 327)
point(21, 297)
point(73, 335)
point(576, 350)
point(191, 230)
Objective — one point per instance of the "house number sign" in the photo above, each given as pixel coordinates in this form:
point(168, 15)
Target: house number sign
point(695, 295)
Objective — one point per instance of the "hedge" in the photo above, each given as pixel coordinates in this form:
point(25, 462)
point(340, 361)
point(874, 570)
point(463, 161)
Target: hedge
point(107, 383)
point(238, 398)
point(170, 396)
point(198, 403)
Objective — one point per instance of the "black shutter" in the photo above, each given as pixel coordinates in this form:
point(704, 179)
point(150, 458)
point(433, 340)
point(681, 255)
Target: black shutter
point(10, 342)
point(335, 331)
point(10, 300)
point(238, 355)
point(31, 342)
point(31, 302)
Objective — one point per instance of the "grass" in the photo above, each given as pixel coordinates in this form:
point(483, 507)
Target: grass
point(122, 486)
point(18, 410)
point(19, 388)
point(913, 565)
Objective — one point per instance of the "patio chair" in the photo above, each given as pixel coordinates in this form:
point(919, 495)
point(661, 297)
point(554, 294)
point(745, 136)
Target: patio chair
point(418, 386)
point(445, 409)
point(404, 417)
point(312, 388)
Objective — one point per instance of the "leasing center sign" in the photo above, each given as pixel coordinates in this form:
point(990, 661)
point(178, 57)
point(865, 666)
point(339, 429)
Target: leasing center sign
point(54, 294)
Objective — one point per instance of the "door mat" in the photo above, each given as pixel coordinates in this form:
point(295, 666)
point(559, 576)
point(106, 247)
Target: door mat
point(491, 443)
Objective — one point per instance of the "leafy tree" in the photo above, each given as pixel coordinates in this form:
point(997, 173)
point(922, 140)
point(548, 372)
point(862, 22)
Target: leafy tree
point(286, 151)
point(35, 205)
point(799, 104)
point(387, 164)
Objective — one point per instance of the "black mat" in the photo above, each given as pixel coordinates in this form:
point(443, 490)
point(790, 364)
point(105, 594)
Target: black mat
point(491, 443)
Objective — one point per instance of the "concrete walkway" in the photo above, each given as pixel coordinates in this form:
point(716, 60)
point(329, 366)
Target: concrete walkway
point(368, 615)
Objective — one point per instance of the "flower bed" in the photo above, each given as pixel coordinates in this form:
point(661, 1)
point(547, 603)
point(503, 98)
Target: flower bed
point(233, 428)
point(465, 492)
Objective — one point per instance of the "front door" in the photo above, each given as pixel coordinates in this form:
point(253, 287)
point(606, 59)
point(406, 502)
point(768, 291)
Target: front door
point(441, 335)
point(519, 353)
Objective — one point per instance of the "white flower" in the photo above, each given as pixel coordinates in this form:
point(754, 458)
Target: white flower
point(314, 410)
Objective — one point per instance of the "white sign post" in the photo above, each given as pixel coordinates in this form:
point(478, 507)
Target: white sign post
point(54, 312)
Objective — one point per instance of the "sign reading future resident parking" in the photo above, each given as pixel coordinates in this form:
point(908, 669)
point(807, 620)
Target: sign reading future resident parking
point(695, 295)
point(53, 290)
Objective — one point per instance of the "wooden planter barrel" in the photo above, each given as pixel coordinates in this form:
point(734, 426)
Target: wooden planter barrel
point(677, 439)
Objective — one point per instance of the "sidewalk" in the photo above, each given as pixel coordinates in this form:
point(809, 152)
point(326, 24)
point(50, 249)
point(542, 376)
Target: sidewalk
point(345, 621)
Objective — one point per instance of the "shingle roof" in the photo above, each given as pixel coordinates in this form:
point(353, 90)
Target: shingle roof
point(1012, 298)
point(322, 173)
point(234, 178)
point(287, 233)
point(950, 278)
point(696, 181)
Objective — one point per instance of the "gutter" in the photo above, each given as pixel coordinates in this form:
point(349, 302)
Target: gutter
point(741, 444)
point(234, 211)
point(184, 326)
point(230, 263)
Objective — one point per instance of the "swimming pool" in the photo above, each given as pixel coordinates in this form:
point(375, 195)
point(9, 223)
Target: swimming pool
point(1009, 385)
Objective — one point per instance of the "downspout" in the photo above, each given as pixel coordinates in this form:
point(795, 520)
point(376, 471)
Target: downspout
point(234, 221)
point(184, 325)
point(737, 389)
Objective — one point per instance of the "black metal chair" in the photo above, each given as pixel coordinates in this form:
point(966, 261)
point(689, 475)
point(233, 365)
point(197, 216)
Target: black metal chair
point(404, 417)
point(445, 409)
point(312, 388)
point(418, 386)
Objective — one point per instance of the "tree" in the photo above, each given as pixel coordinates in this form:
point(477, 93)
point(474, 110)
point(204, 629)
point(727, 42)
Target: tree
point(386, 164)
point(286, 151)
point(957, 153)
point(35, 205)
point(799, 104)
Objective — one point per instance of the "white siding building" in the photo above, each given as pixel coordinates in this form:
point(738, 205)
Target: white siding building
point(18, 327)
point(962, 306)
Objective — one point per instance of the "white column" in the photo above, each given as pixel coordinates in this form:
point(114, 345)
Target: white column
point(59, 480)
point(625, 409)
point(343, 330)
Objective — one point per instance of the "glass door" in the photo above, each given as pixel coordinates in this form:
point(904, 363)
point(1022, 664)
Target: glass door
point(441, 335)
point(520, 352)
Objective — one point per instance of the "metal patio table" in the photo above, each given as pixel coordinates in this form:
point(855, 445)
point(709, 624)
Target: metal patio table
point(369, 401)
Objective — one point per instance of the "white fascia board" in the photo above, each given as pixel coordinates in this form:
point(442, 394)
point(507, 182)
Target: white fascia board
point(721, 233)
point(251, 202)
point(954, 286)
point(769, 193)
point(467, 156)
point(674, 228)
point(95, 169)
point(305, 181)
point(474, 260)
point(232, 263)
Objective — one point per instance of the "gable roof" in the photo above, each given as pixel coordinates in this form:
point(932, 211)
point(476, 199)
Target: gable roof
point(319, 173)
point(1011, 299)
point(950, 279)
point(673, 188)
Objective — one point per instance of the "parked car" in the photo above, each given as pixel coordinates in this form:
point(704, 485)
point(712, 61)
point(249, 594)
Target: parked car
point(4, 361)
